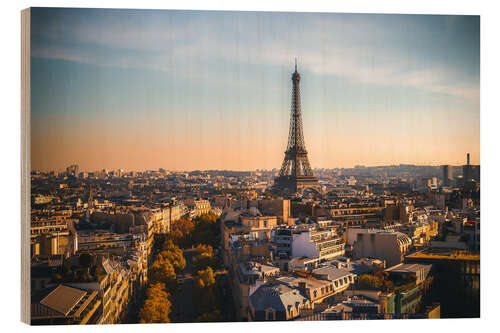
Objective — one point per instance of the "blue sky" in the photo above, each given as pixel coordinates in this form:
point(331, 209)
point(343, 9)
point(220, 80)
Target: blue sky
point(143, 89)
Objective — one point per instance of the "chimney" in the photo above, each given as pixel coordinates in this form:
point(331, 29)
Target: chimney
point(468, 159)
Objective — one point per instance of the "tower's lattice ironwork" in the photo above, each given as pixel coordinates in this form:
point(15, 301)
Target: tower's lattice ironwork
point(295, 173)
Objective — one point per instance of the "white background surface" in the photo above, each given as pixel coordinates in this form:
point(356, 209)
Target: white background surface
point(490, 162)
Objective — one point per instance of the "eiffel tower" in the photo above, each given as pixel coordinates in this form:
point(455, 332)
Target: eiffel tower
point(296, 174)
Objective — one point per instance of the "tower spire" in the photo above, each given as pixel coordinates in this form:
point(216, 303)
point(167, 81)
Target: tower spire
point(296, 173)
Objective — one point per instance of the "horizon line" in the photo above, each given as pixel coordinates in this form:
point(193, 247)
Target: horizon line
point(360, 166)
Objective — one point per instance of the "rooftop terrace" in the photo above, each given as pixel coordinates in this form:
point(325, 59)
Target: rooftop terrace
point(445, 254)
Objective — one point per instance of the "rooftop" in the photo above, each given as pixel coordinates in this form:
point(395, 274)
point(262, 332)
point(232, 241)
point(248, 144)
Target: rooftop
point(447, 255)
point(303, 260)
point(333, 273)
point(275, 295)
point(338, 308)
point(407, 268)
point(310, 282)
point(63, 299)
point(256, 268)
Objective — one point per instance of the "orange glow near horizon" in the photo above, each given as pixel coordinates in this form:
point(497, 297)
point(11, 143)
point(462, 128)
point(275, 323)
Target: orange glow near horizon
point(148, 145)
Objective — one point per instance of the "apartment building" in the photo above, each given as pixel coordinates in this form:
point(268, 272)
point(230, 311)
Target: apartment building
point(276, 301)
point(340, 279)
point(198, 207)
point(250, 223)
point(249, 276)
point(391, 246)
point(105, 240)
point(319, 243)
point(113, 289)
point(352, 214)
point(456, 277)
point(64, 305)
point(53, 236)
point(315, 290)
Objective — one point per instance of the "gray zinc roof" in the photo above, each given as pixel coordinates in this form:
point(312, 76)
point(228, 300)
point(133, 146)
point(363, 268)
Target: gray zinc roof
point(276, 296)
point(333, 273)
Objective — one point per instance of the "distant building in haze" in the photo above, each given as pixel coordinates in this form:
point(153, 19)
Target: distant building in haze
point(470, 172)
point(446, 174)
point(72, 170)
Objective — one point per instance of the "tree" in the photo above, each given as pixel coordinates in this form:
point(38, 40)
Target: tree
point(180, 232)
point(204, 293)
point(172, 253)
point(206, 229)
point(157, 306)
point(207, 217)
point(388, 284)
point(204, 249)
point(175, 257)
point(203, 261)
point(85, 260)
point(369, 281)
point(168, 245)
point(382, 276)
point(205, 258)
point(212, 316)
point(164, 272)
point(205, 278)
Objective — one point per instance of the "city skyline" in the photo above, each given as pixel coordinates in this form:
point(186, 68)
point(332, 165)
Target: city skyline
point(142, 90)
point(63, 168)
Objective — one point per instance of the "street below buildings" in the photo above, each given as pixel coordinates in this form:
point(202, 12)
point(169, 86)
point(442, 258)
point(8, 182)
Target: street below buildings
point(182, 302)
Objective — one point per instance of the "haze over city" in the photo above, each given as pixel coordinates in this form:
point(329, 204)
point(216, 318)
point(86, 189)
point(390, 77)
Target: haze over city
point(146, 90)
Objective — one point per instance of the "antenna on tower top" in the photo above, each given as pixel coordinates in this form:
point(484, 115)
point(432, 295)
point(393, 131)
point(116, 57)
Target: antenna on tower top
point(295, 63)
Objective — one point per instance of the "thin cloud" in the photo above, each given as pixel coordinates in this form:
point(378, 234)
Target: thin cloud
point(352, 49)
